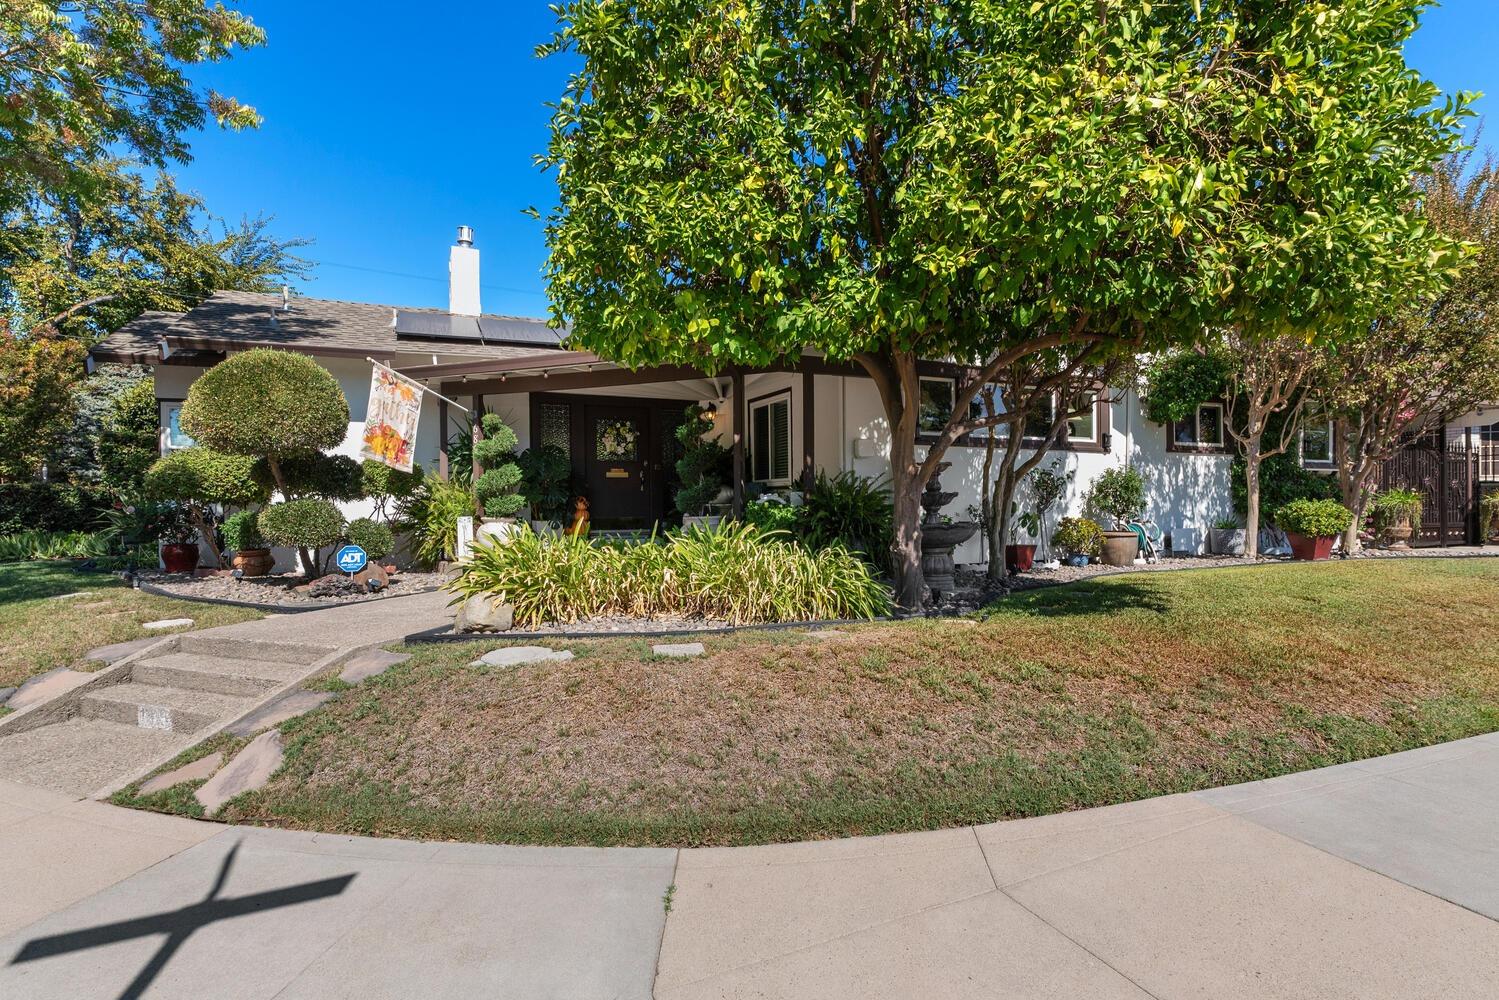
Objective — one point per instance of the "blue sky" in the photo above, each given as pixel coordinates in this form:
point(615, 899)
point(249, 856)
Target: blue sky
point(388, 127)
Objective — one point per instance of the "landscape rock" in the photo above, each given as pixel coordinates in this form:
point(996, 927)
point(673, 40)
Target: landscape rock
point(250, 769)
point(45, 687)
point(514, 656)
point(166, 623)
point(278, 710)
point(370, 663)
point(201, 768)
point(372, 578)
point(480, 614)
point(680, 650)
point(334, 585)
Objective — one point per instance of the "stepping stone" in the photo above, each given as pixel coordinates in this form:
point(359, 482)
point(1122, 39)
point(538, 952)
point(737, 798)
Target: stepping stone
point(167, 623)
point(71, 597)
point(825, 633)
point(119, 650)
point(681, 650)
point(514, 656)
point(5, 694)
point(44, 687)
point(187, 772)
point(369, 664)
point(250, 769)
point(278, 710)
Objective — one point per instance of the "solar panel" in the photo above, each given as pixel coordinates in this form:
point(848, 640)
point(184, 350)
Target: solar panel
point(503, 330)
point(436, 326)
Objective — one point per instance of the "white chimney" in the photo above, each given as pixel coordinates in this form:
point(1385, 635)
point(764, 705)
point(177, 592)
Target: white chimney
point(463, 275)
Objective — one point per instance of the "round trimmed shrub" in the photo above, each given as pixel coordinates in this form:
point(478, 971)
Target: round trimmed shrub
point(380, 480)
point(1314, 518)
point(266, 402)
point(333, 477)
point(302, 524)
point(204, 476)
point(375, 538)
point(242, 531)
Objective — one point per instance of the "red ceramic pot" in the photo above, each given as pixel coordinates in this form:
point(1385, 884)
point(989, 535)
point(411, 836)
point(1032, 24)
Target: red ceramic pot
point(180, 557)
point(1019, 558)
point(1310, 549)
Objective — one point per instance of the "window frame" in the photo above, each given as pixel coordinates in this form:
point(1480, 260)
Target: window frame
point(765, 402)
point(1316, 463)
point(1197, 445)
point(1068, 442)
point(164, 409)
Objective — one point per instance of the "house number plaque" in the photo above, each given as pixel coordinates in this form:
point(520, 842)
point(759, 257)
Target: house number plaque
point(616, 474)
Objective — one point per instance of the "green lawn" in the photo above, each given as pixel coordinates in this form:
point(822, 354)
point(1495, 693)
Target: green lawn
point(1100, 692)
point(38, 633)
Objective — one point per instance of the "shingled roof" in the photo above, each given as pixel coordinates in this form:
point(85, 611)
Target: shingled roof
point(239, 320)
point(137, 342)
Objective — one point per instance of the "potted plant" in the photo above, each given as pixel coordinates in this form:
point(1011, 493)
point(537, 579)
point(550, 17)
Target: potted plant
point(252, 557)
point(1312, 526)
point(1397, 516)
point(703, 470)
point(1079, 539)
point(1048, 486)
point(179, 538)
point(1226, 537)
point(1488, 527)
point(1020, 558)
point(495, 489)
point(546, 475)
point(1118, 494)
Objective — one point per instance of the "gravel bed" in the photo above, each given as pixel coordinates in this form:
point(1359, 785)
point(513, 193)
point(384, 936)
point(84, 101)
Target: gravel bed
point(282, 590)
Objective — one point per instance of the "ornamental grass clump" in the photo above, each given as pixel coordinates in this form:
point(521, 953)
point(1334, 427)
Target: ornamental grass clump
point(734, 573)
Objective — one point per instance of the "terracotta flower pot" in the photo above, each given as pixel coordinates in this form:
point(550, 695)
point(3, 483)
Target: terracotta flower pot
point(1120, 548)
point(180, 557)
point(253, 562)
point(1310, 549)
point(1400, 535)
point(1019, 558)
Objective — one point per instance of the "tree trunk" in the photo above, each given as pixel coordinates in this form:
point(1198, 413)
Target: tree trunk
point(307, 558)
point(905, 547)
point(1252, 490)
point(205, 531)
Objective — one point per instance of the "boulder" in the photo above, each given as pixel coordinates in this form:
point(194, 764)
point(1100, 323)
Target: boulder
point(481, 613)
point(334, 585)
point(372, 578)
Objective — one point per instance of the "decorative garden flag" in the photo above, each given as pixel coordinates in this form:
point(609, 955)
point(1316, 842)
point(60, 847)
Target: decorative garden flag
point(390, 423)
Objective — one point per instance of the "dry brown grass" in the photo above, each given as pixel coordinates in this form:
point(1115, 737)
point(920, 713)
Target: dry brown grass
point(1094, 693)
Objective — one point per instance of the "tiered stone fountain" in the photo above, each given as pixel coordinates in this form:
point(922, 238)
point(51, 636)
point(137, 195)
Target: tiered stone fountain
point(938, 540)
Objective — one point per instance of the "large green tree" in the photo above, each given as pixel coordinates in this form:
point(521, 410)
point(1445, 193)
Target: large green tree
point(977, 180)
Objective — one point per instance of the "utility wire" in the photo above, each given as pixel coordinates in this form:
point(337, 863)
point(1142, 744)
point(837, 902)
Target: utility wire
point(423, 277)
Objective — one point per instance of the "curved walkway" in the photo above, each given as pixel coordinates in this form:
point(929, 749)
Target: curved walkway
point(1370, 880)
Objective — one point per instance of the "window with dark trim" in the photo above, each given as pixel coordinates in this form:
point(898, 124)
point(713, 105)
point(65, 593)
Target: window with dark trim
point(1203, 431)
point(1315, 446)
point(770, 439)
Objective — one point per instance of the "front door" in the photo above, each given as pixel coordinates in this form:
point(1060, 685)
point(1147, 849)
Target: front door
point(616, 458)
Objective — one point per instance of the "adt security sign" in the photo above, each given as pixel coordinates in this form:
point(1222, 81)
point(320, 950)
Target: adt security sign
point(351, 559)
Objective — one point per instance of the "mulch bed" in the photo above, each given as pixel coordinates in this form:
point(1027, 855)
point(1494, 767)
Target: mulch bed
point(282, 590)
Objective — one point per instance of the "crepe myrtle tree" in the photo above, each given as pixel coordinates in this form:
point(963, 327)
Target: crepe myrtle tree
point(283, 409)
point(740, 180)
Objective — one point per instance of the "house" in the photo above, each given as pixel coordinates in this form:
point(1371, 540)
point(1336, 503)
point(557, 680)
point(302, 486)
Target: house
point(807, 415)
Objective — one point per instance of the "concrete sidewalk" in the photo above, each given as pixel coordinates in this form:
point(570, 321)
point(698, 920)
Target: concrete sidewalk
point(1374, 880)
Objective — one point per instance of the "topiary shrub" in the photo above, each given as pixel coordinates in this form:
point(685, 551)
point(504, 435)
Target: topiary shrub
point(266, 402)
point(376, 539)
point(1314, 518)
point(704, 466)
point(308, 523)
point(198, 478)
point(242, 531)
point(495, 452)
point(332, 477)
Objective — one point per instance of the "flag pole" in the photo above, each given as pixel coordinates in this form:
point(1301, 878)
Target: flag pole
point(410, 381)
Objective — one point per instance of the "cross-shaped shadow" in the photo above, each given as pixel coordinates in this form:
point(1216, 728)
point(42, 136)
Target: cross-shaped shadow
point(178, 925)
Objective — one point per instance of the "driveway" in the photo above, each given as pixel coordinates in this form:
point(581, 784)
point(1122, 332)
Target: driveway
point(1371, 880)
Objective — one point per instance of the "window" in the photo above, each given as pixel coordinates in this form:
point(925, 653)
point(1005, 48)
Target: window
point(770, 439)
point(554, 423)
point(1084, 427)
point(1204, 430)
point(936, 404)
point(174, 438)
point(1316, 440)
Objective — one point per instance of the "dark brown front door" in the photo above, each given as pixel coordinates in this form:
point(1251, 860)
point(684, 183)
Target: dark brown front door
point(617, 449)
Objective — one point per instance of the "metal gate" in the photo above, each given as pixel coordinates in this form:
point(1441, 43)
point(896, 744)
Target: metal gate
point(1450, 478)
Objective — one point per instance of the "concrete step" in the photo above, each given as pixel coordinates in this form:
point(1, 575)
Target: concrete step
point(151, 706)
point(81, 756)
point(251, 649)
point(216, 674)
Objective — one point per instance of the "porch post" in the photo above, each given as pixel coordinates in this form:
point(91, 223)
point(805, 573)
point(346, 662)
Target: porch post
point(442, 439)
point(809, 472)
point(738, 428)
point(478, 434)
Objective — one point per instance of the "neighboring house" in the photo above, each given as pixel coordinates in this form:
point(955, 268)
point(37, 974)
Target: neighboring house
point(807, 416)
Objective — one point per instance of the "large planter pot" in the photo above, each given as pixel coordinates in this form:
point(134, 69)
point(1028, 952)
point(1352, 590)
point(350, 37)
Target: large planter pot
point(1019, 558)
point(498, 530)
point(180, 557)
point(708, 522)
point(1310, 549)
point(1226, 541)
point(1120, 548)
point(253, 562)
point(1399, 536)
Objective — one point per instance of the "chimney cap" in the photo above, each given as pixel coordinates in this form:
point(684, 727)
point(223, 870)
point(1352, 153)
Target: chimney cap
point(465, 236)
